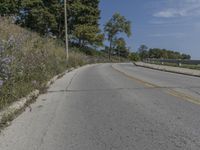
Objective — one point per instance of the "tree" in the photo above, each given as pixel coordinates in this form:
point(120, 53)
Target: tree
point(47, 17)
point(120, 47)
point(56, 8)
point(142, 48)
point(143, 52)
point(42, 16)
point(134, 56)
point(166, 54)
point(83, 22)
point(185, 56)
point(117, 24)
point(9, 7)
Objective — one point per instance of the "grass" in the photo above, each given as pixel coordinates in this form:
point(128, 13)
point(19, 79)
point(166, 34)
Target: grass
point(28, 61)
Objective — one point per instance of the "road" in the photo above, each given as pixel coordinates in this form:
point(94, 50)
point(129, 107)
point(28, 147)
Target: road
point(111, 107)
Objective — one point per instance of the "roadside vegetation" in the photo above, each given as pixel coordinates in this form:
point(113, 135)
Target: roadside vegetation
point(28, 61)
point(32, 36)
point(144, 53)
point(157, 53)
point(164, 57)
point(47, 19)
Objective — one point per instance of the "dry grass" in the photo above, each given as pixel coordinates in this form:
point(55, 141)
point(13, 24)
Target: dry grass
point(28, 61)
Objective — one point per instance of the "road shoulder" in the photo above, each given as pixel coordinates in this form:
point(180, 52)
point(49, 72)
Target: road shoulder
point(178, 70)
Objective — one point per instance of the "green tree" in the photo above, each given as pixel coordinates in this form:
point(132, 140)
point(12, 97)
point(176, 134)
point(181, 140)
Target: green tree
point(120, 47)
point(186, 56)
point(47, 17)
point(134, 56)
point(37, 15)
point(143, 52)
point(9, 7)
point(56, 8)
point(83, 22)
point(166, 54)
point(117, 24)
point(142, 48)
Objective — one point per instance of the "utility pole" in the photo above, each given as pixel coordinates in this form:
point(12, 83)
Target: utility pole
point(66, 29)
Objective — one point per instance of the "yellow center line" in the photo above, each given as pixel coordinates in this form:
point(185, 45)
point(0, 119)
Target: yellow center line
point(147, 84)
point(169, 91)
point(183, 96)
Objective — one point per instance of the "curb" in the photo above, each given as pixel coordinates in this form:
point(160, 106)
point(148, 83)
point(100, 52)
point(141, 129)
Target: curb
point(12, 111)
point(50, 82)
point(184, 71)
point(9, 113)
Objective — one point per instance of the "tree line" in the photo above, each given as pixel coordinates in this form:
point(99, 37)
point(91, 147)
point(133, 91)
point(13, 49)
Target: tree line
point(144, 52)
point(47, 18)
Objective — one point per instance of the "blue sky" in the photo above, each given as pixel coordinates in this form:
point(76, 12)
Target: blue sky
point(170, 24)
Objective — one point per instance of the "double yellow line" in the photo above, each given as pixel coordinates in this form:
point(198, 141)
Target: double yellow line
point(169, 91)
point(184, 96)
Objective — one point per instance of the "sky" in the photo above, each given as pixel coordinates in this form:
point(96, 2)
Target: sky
point(169, 24)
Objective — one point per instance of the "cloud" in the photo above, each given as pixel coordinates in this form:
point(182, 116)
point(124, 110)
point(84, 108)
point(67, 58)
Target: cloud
point(166, 22)
point(157, 22)
point(176, 35)
point(169, 13)
point(179, 8)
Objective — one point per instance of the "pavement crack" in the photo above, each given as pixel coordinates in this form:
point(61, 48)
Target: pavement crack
point(71, 80)
point(113, 89)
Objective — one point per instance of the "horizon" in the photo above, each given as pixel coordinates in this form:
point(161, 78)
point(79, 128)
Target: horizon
point(159, 24)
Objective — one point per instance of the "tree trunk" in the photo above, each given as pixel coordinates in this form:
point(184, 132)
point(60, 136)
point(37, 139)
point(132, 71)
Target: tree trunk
point(110, 50)
point(79, 42)
point(59, 29)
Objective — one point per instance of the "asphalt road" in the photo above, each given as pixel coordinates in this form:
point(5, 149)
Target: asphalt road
point(111, 107)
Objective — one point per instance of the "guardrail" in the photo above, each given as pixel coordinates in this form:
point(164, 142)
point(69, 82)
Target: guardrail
point(174, 61)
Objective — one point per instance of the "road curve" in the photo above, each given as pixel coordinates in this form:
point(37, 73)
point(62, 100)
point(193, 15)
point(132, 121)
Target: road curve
point(111, 107)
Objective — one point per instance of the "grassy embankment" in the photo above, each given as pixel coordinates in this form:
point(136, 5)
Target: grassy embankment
point(28, 61)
